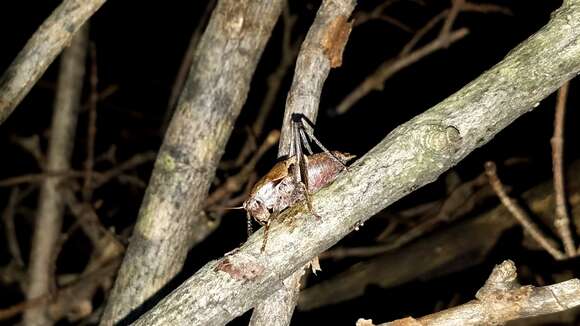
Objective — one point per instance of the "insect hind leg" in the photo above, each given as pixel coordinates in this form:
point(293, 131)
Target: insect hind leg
point(298, 119)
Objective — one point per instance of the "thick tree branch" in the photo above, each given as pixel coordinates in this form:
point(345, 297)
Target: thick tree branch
point(171, 216)
point(411, 156)
point(46, 43)
point(327, 31)
point(51, 203)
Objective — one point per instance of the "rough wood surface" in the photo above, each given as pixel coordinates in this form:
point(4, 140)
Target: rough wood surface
point(411, 156)
point(47, 42)
point(329, 30)
point(171, 216)
point(48, 223)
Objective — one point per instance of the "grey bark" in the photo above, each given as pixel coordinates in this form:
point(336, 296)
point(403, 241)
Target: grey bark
point(411, 156)
point(47, 42)
point(171, 217)
point(312, 67)
point(51, 202)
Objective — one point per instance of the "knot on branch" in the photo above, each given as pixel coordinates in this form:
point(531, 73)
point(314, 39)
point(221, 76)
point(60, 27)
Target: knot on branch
point(502, 279)
point(438, 139)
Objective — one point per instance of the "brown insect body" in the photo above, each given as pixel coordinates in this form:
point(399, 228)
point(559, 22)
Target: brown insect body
point(279, 189)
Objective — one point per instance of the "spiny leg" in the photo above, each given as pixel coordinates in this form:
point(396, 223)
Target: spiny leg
point(249, 225)
point(298, 120)
point(265, 240)
point(309, 201)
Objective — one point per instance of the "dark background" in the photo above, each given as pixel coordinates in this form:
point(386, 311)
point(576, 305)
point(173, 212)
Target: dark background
point(139, 48)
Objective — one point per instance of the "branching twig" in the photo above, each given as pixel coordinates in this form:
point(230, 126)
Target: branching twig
point(51, 205)
point(47, 42)
point(411, 156)
point(519, 214)
point(561, 219)
point(500, 300)
point(91, 127)
point(407, 56)
point(10, 228)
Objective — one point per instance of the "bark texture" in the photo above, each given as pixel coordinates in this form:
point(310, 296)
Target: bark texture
point(172, 211)
point(411, 156)
point(51, 202)
point(42, 48)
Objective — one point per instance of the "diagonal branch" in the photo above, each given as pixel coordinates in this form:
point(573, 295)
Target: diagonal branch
point(411, 156)
point(47, 42)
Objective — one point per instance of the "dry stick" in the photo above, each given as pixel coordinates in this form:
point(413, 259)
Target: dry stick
point(500, 300)
point(407, 57)
point(99, 178)
point(451, 16)
point(321, 50)
point(562, 219)
point(67, 295)
point(519, 214)
point(47, 42)
point(411, 156)
point(172, 218)
point(378, 14)
point(51, 204)
point(10, 228)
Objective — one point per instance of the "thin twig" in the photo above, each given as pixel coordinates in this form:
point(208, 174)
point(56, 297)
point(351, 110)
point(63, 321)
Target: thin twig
point(92, 127)
point(49, 215)
point(561, 219)
point(378, 13)
point(10, 228)
point(519, 214)
point(234, 183)
point(407, 56)
point(52, 36)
